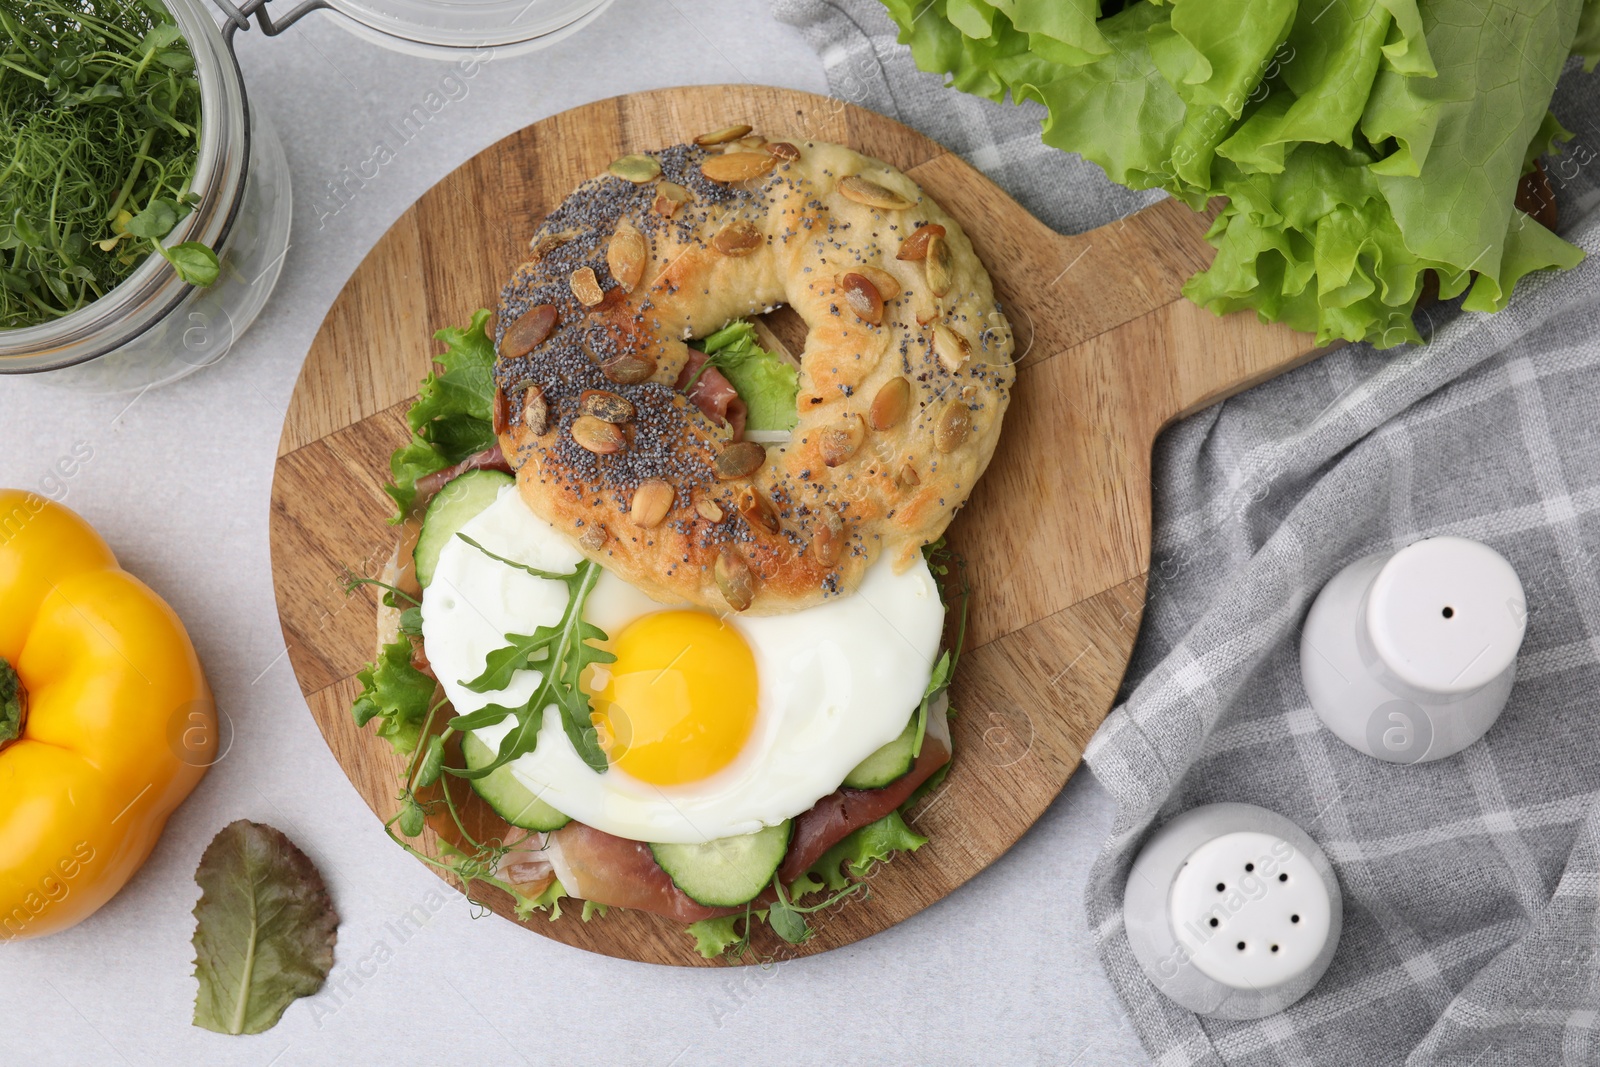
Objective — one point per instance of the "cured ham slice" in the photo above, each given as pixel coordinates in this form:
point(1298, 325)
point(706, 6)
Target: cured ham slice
point(619, 873)
point(490, 459)
point(614, 871)
point(837, 815)
point(713, 394)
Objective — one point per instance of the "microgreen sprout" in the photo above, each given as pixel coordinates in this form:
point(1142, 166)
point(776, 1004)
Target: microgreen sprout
point(99, 137)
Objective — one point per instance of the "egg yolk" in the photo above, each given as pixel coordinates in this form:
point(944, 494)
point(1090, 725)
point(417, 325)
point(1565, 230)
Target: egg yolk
point(679, 702)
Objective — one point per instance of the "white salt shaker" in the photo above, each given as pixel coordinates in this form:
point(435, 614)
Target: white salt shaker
point(1232, 911)
point(1409, 656)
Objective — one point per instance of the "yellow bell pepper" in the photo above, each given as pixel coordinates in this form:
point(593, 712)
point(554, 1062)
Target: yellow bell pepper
point(106, 720)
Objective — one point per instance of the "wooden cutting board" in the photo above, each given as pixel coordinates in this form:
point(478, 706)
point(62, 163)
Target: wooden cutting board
point(1056, 537)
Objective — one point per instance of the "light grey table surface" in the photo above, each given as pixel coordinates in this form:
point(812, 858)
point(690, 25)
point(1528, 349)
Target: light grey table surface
point(1001, 971)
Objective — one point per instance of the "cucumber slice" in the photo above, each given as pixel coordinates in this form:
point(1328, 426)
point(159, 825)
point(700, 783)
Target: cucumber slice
point(888, 763)
point(510, 799)
point(452, 508)
point(728, 871)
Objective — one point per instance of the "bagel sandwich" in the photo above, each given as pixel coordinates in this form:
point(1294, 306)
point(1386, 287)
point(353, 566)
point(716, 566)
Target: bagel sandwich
point(671, 593)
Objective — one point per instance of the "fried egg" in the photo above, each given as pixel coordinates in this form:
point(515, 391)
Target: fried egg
point(713, 725)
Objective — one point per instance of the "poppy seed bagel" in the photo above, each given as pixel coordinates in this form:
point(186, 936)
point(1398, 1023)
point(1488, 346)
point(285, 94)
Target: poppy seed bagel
point(904, 378)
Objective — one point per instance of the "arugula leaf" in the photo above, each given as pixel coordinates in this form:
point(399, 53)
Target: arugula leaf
point(566, 653)
point(502, 664)
point(265, 929)
point(488, 715)
point(452, 417)
point(767, 384)
point(395, 692)
point(535, 571)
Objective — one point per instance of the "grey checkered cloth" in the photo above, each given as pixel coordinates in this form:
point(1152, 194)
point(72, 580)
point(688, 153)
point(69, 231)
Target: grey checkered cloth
point(1471, 884)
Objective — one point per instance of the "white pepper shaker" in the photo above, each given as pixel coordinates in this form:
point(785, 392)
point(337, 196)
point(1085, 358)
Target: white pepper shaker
point(1409, 656)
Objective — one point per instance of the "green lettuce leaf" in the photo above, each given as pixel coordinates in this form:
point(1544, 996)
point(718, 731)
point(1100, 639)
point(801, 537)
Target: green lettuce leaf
point(713, 937)
point(548, 902)
point(857, 854)
point(1462, 137)
point(452, 416)
point(767, 384)
point(395, 693)
point(1333, 55)
point(1117, 111)
point(1358, 147)
point(937, 44)
point(1215, 52)
point(1405, 51)
point(1061, 31)
point(1587, 41)
point(465, 383)
point(265, 929)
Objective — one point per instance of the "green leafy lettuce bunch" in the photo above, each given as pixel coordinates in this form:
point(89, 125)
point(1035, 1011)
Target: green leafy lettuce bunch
point(1358, 144)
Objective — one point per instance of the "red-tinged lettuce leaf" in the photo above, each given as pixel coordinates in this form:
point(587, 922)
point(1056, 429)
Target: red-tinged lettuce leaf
point(265, 928)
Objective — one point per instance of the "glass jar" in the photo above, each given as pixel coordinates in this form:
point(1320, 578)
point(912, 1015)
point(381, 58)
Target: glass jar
point(153, 327)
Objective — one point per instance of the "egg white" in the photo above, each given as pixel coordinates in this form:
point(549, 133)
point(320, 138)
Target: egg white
point(835, 682)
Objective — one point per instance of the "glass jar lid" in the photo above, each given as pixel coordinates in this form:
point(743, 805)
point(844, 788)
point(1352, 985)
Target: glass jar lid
point(519, 25)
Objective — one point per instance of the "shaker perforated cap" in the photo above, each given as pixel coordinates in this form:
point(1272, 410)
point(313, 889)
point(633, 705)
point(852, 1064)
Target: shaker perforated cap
point(1232, 911)
point(1446, 615)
